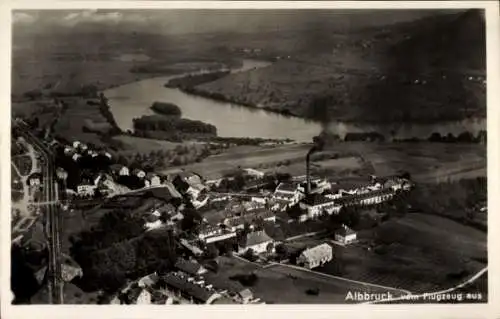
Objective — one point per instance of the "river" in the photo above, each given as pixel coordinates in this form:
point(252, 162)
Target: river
point(133, 100)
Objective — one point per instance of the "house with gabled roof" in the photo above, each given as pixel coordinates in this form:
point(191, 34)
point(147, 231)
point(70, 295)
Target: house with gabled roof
point(258, 241)
point(315, 256)
point(345, 235)
point(187, 287)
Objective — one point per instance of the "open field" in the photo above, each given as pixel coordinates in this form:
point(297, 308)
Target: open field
point(274, 281)
point(426, 162)
point(133, 145)
point(245, 156)
point(79, 116)
point(341, 163)
point(407, 255)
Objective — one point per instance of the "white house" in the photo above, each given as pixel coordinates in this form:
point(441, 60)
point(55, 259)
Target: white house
point(258, 241)
point(153, 179)
point(316, 256)
point(76, 144)
point(254, 172)
point(83, 147)
point(153, 225)
point(75, 157)
point(345, 235)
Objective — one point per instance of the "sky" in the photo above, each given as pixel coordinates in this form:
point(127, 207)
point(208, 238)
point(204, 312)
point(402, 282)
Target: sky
point(198, 21)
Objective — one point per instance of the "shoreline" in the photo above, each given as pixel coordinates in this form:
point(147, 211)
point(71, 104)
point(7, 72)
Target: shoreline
point(225, 99)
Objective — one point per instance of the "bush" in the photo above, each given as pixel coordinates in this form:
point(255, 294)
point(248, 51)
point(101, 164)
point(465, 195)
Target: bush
point(250, 255)
point(166, 108)
point(312, 292)
point(246, 280)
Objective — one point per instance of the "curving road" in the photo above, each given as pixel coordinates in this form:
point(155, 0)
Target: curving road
point(429, 294)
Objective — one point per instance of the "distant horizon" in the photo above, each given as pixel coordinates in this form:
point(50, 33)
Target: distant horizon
point(191, 21)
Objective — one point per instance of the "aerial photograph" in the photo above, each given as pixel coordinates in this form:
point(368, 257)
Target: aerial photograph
point(244, 157)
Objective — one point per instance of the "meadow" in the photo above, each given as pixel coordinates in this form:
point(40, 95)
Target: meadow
point(406, 255)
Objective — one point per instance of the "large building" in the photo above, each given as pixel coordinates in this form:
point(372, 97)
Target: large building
point(316, 205)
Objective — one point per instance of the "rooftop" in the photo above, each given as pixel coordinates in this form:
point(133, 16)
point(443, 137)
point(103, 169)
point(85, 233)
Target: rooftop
point(317, 199)
point(287, 187)
point(189, 267)
point(182, 283)
point(345, 231)
point(358, 197)
point(318, 252)
point(255, 238)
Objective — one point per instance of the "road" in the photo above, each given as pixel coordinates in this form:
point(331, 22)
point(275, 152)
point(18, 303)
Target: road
point(429, 294)
point(52, 216)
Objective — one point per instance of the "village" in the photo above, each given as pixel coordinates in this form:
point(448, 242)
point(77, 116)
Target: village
point(254, 221)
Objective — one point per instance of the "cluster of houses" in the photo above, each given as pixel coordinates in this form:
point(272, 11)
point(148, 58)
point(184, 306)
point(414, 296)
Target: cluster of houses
point(189, 283)
point(107, 183)
point(234, 216)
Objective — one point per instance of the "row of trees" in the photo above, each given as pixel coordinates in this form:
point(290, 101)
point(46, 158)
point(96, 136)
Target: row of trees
point(193, 80)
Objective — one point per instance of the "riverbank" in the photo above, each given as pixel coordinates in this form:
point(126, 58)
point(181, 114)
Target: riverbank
point(227, 99)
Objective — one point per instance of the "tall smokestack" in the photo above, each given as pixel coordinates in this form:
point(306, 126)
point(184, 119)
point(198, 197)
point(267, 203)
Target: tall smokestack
point(317, 147)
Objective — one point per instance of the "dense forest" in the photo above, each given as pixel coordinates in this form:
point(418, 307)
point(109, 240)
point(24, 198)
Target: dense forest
point(170, 128)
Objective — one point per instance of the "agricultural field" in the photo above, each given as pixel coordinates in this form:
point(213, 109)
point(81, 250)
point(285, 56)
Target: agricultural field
point(76, 117)
point(216, 166)
point(133, 145)
point(275, 279)
point(426, 162)
point(406, 255)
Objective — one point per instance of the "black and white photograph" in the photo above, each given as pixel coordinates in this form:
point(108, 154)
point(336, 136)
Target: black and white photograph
point(236, 156)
